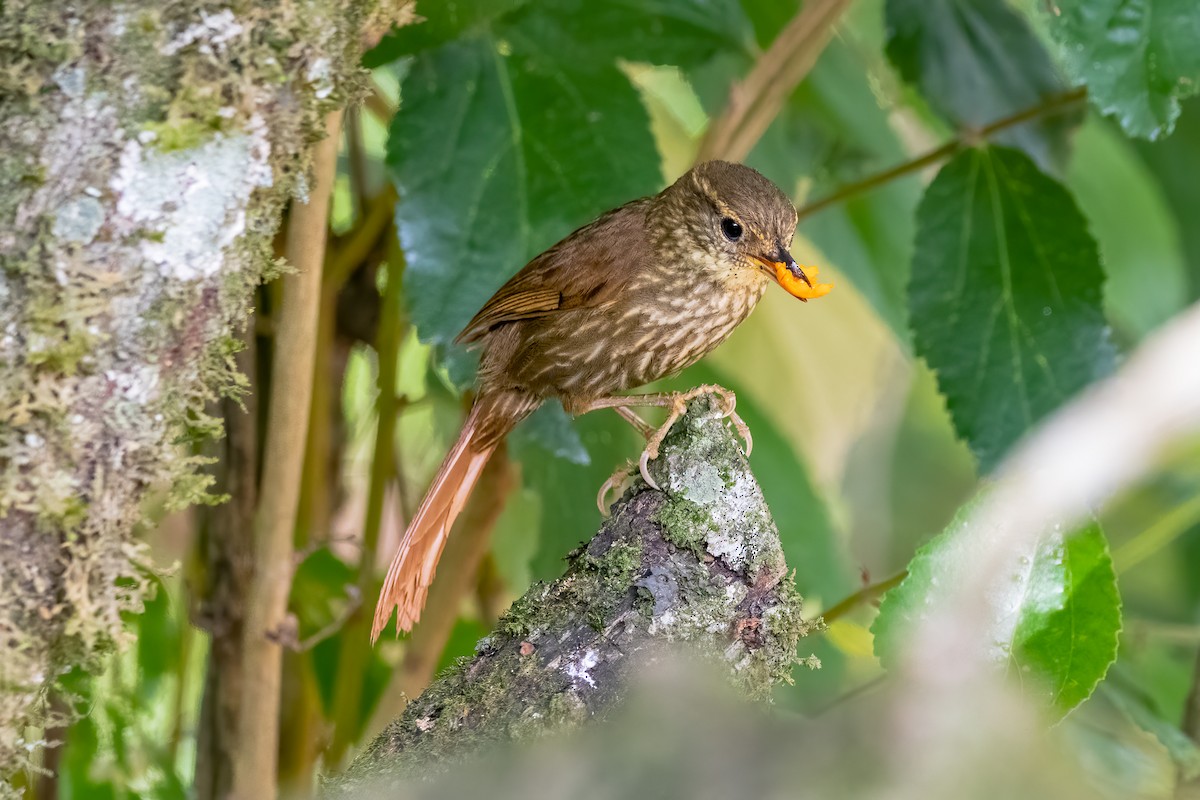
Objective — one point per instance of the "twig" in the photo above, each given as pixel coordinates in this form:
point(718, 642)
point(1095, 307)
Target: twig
point(755, 102)
point(255, 765)
point(359, 243)
point(1054, 104)
point(1165, 530)
point(863, 595)
point(848, 695)
point(287, 633)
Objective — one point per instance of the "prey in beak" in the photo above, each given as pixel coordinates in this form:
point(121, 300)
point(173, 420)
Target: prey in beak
point(792, 277)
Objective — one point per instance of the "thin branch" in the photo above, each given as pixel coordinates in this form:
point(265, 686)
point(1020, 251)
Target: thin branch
point(1165, 530)
point(255, 767)
point(863, 595)
point(1054, 104)
point(755, 102)
point(358, 243)
point(227, 552)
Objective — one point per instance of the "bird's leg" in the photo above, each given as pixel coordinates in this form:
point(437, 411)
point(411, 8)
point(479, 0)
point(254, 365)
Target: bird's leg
point(676, 402)
point(643, 427)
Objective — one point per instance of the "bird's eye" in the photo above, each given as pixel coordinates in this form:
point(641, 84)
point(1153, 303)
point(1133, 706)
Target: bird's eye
point(731, 229)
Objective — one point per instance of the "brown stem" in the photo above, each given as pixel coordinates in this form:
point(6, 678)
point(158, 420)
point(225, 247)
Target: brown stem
point(1052, 104)
point(863, 595)
point(457, 568)
point(755, 102)
point(256, 756)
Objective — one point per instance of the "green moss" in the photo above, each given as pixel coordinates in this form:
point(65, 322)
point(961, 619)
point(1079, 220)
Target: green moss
point(685, 524)
point(784, 626)
point(183, 134)
point(528, 613)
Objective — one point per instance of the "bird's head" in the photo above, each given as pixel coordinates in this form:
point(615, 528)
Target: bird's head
point(729, 219)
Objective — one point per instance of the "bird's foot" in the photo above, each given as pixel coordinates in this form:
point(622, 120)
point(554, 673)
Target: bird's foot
point(727, 401)
point(614, 483)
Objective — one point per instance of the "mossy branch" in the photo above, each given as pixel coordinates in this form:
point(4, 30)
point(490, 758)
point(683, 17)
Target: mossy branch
point(698, 563)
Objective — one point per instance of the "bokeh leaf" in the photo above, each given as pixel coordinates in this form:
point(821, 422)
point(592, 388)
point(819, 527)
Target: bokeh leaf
point(1174, 163)
point(1056, 615)
point(1139, 58)
point(1137, 704)
point(1138, 237)
point(976, 61)
point(1005, 296)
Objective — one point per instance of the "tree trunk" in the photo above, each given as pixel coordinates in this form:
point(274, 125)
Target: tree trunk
point(146, 152)
point(699, 562)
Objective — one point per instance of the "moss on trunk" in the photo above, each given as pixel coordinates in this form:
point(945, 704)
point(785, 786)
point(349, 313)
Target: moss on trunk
point(146, 152)
point(699, 562)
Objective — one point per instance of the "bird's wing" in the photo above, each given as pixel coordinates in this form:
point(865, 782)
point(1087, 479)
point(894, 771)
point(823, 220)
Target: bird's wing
point(586, 269)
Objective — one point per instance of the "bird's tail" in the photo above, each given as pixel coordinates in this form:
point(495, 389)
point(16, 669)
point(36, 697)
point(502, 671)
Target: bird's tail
point(411, 571)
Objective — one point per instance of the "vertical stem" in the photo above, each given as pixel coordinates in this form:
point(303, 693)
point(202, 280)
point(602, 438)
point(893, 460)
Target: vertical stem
point(755, 102)
point(256, 758)
point(355, 649)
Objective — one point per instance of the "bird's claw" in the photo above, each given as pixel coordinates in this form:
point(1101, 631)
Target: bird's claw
point(644, 468)
point(615, 481)
point(727, 402)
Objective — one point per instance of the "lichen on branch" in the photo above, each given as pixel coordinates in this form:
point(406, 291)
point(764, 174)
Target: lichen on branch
point(697, 565)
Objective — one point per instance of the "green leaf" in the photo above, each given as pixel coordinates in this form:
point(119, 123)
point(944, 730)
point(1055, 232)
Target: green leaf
point(1138, 236)
point(550, 429)
point(976, 61)
point(1140, 708)
point(319, 594)
point(1139, 58)
point(1005, 296)
point(509, 138)
point(1174, 162)
point(1056, 613)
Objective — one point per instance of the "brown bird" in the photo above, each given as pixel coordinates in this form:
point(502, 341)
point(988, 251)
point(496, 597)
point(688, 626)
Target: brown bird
point(637, 295)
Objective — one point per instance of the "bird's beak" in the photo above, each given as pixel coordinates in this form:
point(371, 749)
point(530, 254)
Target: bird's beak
point(791, 276)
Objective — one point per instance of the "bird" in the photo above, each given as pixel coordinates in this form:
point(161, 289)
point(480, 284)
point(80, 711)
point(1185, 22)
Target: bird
point(636, 295)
